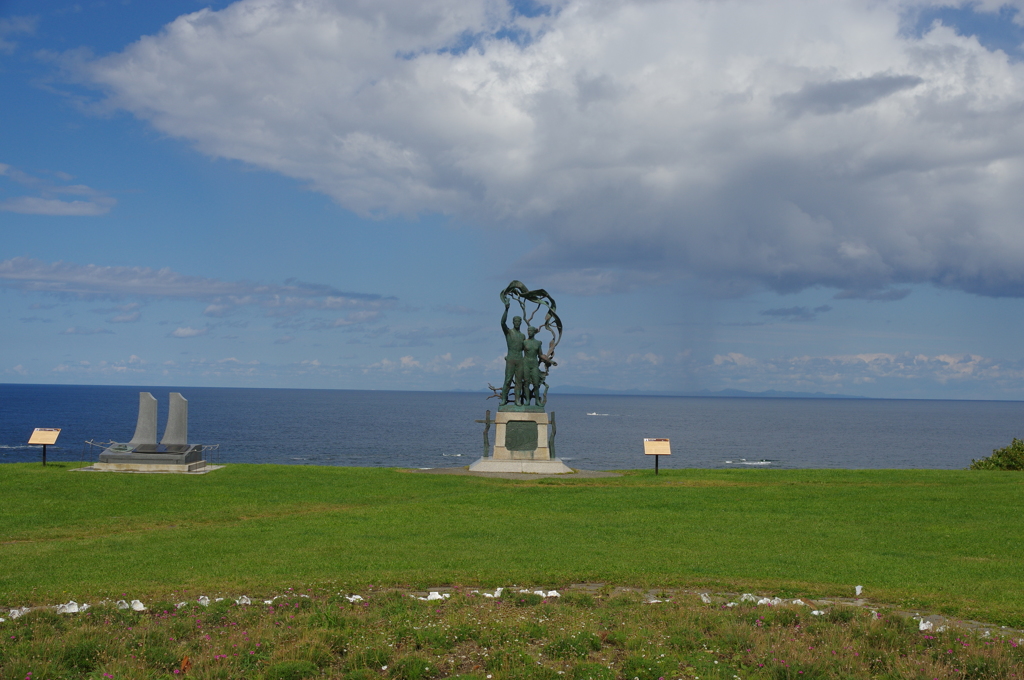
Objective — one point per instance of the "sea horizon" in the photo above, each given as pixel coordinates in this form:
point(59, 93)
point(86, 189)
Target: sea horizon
point(558, 390)
point(421, 429)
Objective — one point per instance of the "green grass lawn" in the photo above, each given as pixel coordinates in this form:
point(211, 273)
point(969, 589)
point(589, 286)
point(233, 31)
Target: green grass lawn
point(945, 541)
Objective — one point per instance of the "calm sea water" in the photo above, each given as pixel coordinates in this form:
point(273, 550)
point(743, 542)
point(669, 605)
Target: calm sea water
point(436, 429)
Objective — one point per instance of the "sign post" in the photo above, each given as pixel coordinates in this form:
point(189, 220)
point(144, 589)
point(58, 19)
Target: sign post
point(44, 436)
point(487, 422)
point(656, 448)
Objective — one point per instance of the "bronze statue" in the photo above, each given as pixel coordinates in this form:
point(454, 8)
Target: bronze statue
point(526, 366)
point(531, 368)
point(514, 338)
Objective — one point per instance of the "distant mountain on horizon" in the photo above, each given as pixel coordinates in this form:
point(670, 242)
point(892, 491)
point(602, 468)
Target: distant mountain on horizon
point(770, 394)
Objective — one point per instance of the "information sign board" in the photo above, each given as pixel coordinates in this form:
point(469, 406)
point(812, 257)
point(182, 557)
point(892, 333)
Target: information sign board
point(657, 447)
point(44, 435)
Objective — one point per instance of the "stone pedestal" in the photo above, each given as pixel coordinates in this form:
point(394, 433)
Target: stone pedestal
point(159, 459)
point(521, 444)
point(521, 435)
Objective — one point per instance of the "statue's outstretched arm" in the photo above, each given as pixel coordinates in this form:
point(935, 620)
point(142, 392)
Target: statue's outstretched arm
point(504, 319)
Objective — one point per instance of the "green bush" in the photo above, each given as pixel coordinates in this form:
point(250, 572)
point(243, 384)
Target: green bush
point(576, 646)
point(361, 674)
point(591, 671)
point(412, 668)
point(578, 600)
point(523, 599)
point(160, 656)
point(646, 668)
point(82, 655)
point(370, 658)
point(507, 659)
point(841, 614)
point(1007, 458)
point(292, 670)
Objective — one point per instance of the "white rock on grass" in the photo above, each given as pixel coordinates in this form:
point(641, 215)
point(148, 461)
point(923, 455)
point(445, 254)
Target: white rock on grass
point(858, 590)
point(69, 608)
point(180, 605)
point(15, 613)
point(747, 597)
point(243, 600)
point(138, 606)
point(354, 598)
point(705, 598)
point(121, 604)
point(553, 593)
point(204, 600)
point(817, 612)
point(925, 625)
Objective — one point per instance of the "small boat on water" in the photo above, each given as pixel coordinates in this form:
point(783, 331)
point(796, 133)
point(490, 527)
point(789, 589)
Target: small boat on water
point(597, 414)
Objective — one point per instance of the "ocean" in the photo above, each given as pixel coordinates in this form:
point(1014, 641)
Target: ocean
point(436, 429)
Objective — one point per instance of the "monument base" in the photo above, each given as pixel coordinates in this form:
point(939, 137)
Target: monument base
point(197, 466)
point(177, 459)
point(548, 466)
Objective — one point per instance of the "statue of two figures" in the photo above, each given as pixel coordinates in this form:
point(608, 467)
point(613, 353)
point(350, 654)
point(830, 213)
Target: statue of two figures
point(524, 439)
point(526, 363)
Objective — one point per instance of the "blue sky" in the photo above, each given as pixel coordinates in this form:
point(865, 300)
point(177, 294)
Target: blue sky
point(792, 195)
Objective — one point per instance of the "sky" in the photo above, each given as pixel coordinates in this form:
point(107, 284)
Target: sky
point(728, 194)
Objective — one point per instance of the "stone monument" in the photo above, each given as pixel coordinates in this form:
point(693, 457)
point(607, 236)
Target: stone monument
point(524, 438)
point(143, 454)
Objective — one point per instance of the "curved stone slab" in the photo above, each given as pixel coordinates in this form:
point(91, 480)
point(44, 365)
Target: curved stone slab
point(145, 428)
point(176, 432)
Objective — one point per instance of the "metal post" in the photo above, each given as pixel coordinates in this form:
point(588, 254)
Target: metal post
point(487, 422)
point(44, 454)
point(551, 436)
point(656, 464)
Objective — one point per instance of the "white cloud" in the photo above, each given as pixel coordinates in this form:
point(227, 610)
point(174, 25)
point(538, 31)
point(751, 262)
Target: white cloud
point(842, 371)
point(75, 330)
point(439, 364)
point(45, 203)
point(133, 364)
point(785, 144)
point(188, 332)
point(92, 281)
point(130, 317)
point(34, 205)
point(14, 26)
point(648, 358)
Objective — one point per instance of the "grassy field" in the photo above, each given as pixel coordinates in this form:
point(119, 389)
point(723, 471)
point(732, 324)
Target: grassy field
point(944, 541)
point(390, 636)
